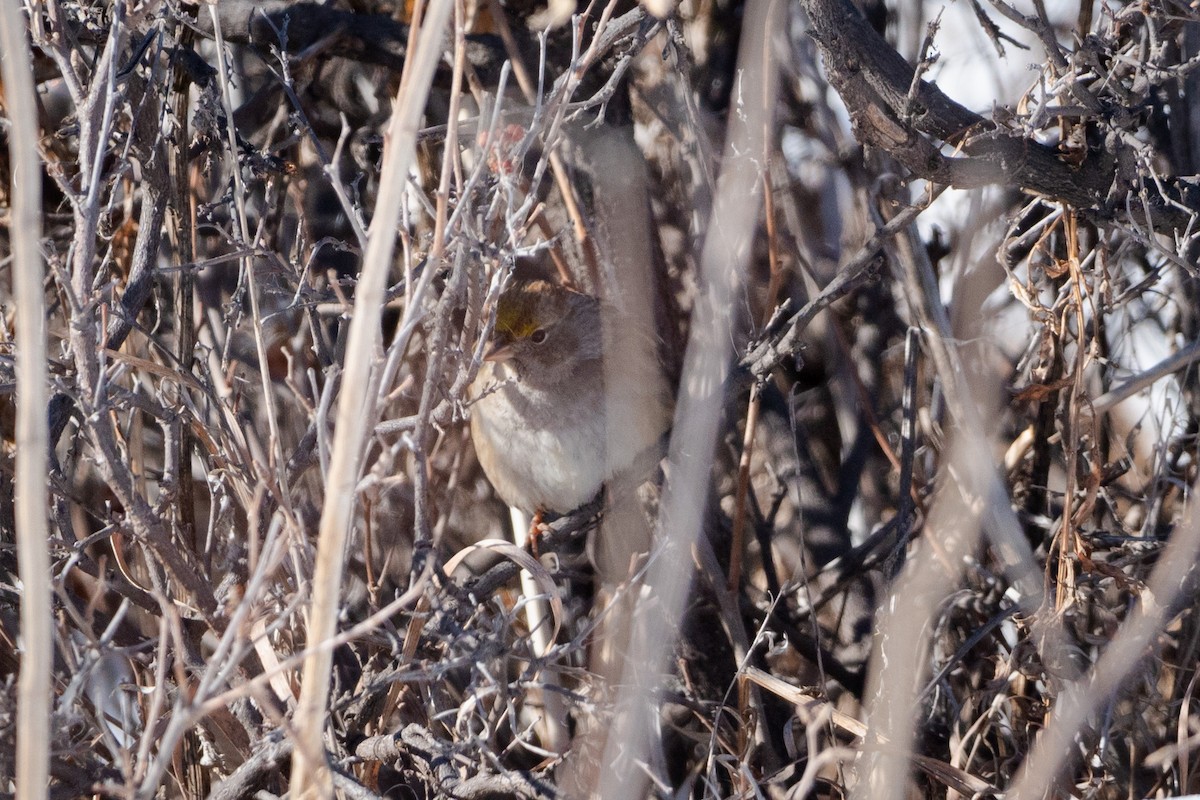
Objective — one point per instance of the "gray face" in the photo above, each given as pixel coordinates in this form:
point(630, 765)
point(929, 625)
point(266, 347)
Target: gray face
point(544, 334)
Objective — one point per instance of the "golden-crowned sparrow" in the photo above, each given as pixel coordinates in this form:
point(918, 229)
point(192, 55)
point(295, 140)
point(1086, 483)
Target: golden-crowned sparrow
point(570, 395)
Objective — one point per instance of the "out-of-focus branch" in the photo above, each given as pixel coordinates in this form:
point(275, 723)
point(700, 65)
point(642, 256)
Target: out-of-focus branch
point(34, 698)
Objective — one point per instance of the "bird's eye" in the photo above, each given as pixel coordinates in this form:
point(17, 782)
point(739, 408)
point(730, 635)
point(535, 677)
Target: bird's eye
point(538, 336)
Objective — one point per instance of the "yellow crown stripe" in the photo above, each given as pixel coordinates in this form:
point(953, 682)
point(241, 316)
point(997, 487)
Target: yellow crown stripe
point(515, 316)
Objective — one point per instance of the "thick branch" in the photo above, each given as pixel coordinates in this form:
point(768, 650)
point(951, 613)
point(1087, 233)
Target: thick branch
point(874, 82)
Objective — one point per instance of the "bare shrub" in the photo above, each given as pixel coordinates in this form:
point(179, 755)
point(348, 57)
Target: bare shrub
point(924, 526)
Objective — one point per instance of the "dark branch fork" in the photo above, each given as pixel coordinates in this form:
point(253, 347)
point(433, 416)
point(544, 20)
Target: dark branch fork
point(874, 82)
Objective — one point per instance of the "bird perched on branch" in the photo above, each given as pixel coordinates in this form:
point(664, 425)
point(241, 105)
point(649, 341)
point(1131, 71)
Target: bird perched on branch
point(571, 395)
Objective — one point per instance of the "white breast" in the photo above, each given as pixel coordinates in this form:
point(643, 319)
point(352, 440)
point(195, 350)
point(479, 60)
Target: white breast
point(562, 463)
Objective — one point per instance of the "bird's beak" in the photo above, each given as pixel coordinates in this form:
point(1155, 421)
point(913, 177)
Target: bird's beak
point(499, 349)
